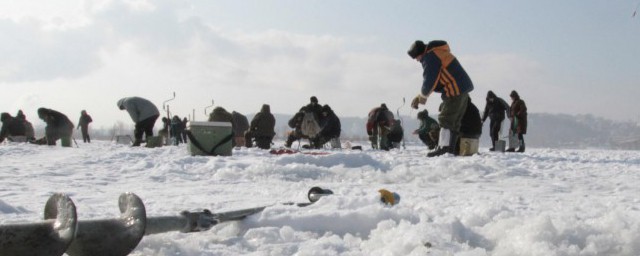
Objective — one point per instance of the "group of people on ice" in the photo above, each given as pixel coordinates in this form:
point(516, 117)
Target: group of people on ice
point(260, 131)
point(317, 123)
point(442, 73)
point(458, 117)
point(58, 127)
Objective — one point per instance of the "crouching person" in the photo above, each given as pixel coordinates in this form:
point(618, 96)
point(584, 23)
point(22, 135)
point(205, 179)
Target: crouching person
point(296, 124)
point(379, 125)
point(395, 135)
point(429, 130)
point(240, 127)
point(470, 131)
point(261, 129)
point(58, 127)
point(330, 129)
point(11, 127)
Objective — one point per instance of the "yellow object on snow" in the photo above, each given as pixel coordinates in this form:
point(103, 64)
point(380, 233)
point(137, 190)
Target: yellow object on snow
point(389, 198)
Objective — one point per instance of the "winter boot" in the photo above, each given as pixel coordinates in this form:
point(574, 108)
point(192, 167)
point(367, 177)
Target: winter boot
point(136, 143)
point(493, 145)
point(443, 143)
point(439, 151)
point(510, 150)
point(374, 141)
point(247, 139)
point(521, 148)
point(289, 141)
point(454, 145)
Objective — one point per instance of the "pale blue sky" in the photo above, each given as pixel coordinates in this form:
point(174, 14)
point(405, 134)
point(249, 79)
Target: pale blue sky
point(574, 57)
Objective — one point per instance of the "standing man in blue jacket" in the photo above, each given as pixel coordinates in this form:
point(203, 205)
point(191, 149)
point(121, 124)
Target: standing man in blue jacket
point(143, 113)
point(442, 74)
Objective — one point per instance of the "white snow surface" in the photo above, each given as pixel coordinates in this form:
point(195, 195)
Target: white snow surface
point(542, 202)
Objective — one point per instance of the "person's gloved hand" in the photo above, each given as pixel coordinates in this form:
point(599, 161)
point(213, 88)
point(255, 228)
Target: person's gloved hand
point(418, 100)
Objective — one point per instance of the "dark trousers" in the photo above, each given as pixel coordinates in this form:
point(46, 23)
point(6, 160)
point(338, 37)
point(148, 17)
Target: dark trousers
point(145, 127)
point(494, 130)
point(428, 140)
point(263, 142)
point(85, 134)
point(55, 133)
point(452, 110)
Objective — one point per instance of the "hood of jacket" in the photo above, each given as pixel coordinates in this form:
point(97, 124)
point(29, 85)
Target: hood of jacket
point(5, 117)
point(514, 95)
point(265, 108)
point(491, 95)
point(120, 103)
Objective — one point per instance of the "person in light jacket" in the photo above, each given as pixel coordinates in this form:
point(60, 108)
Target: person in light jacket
point(143, 113)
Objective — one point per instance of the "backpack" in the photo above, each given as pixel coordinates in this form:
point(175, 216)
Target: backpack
point(309, 126)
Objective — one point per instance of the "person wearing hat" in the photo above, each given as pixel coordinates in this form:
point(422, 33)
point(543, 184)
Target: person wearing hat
point(83, 123)
point(314, 107)
point(330, 127)
point(518, 119)
point(262, 129)
point(428, 130)
point(442, 74)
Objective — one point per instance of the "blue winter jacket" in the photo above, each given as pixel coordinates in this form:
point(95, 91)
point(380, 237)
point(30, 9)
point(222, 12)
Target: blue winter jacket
point(442, 72)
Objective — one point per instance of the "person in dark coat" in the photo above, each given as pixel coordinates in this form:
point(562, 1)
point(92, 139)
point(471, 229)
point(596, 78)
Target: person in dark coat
point(518, 119)
point(29, 131)
point(164, 131)
point(396, 133)
point(176, 130)
point(58, 126)
point(261, 129)
point(442, 73)
point(184, 129)
point(428, 130)
point(11, 127)
point(471, 125)
point(144, 113)
point(330, 127)
point(379, 123)
point(314, 107)
point(220, 114)
point(495, 109)
point(296, 124)
point(83, 123)
point(241, 125)
point(20, 115)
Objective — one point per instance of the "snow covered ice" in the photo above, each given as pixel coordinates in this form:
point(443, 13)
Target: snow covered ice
point(542, 202)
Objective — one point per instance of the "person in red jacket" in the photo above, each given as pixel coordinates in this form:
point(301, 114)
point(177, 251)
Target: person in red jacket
point(518, 119)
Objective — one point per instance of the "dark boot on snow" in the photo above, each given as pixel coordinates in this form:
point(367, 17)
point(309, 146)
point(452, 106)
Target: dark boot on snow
point(440, 151)
point(453, 141)
point(521, 148)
